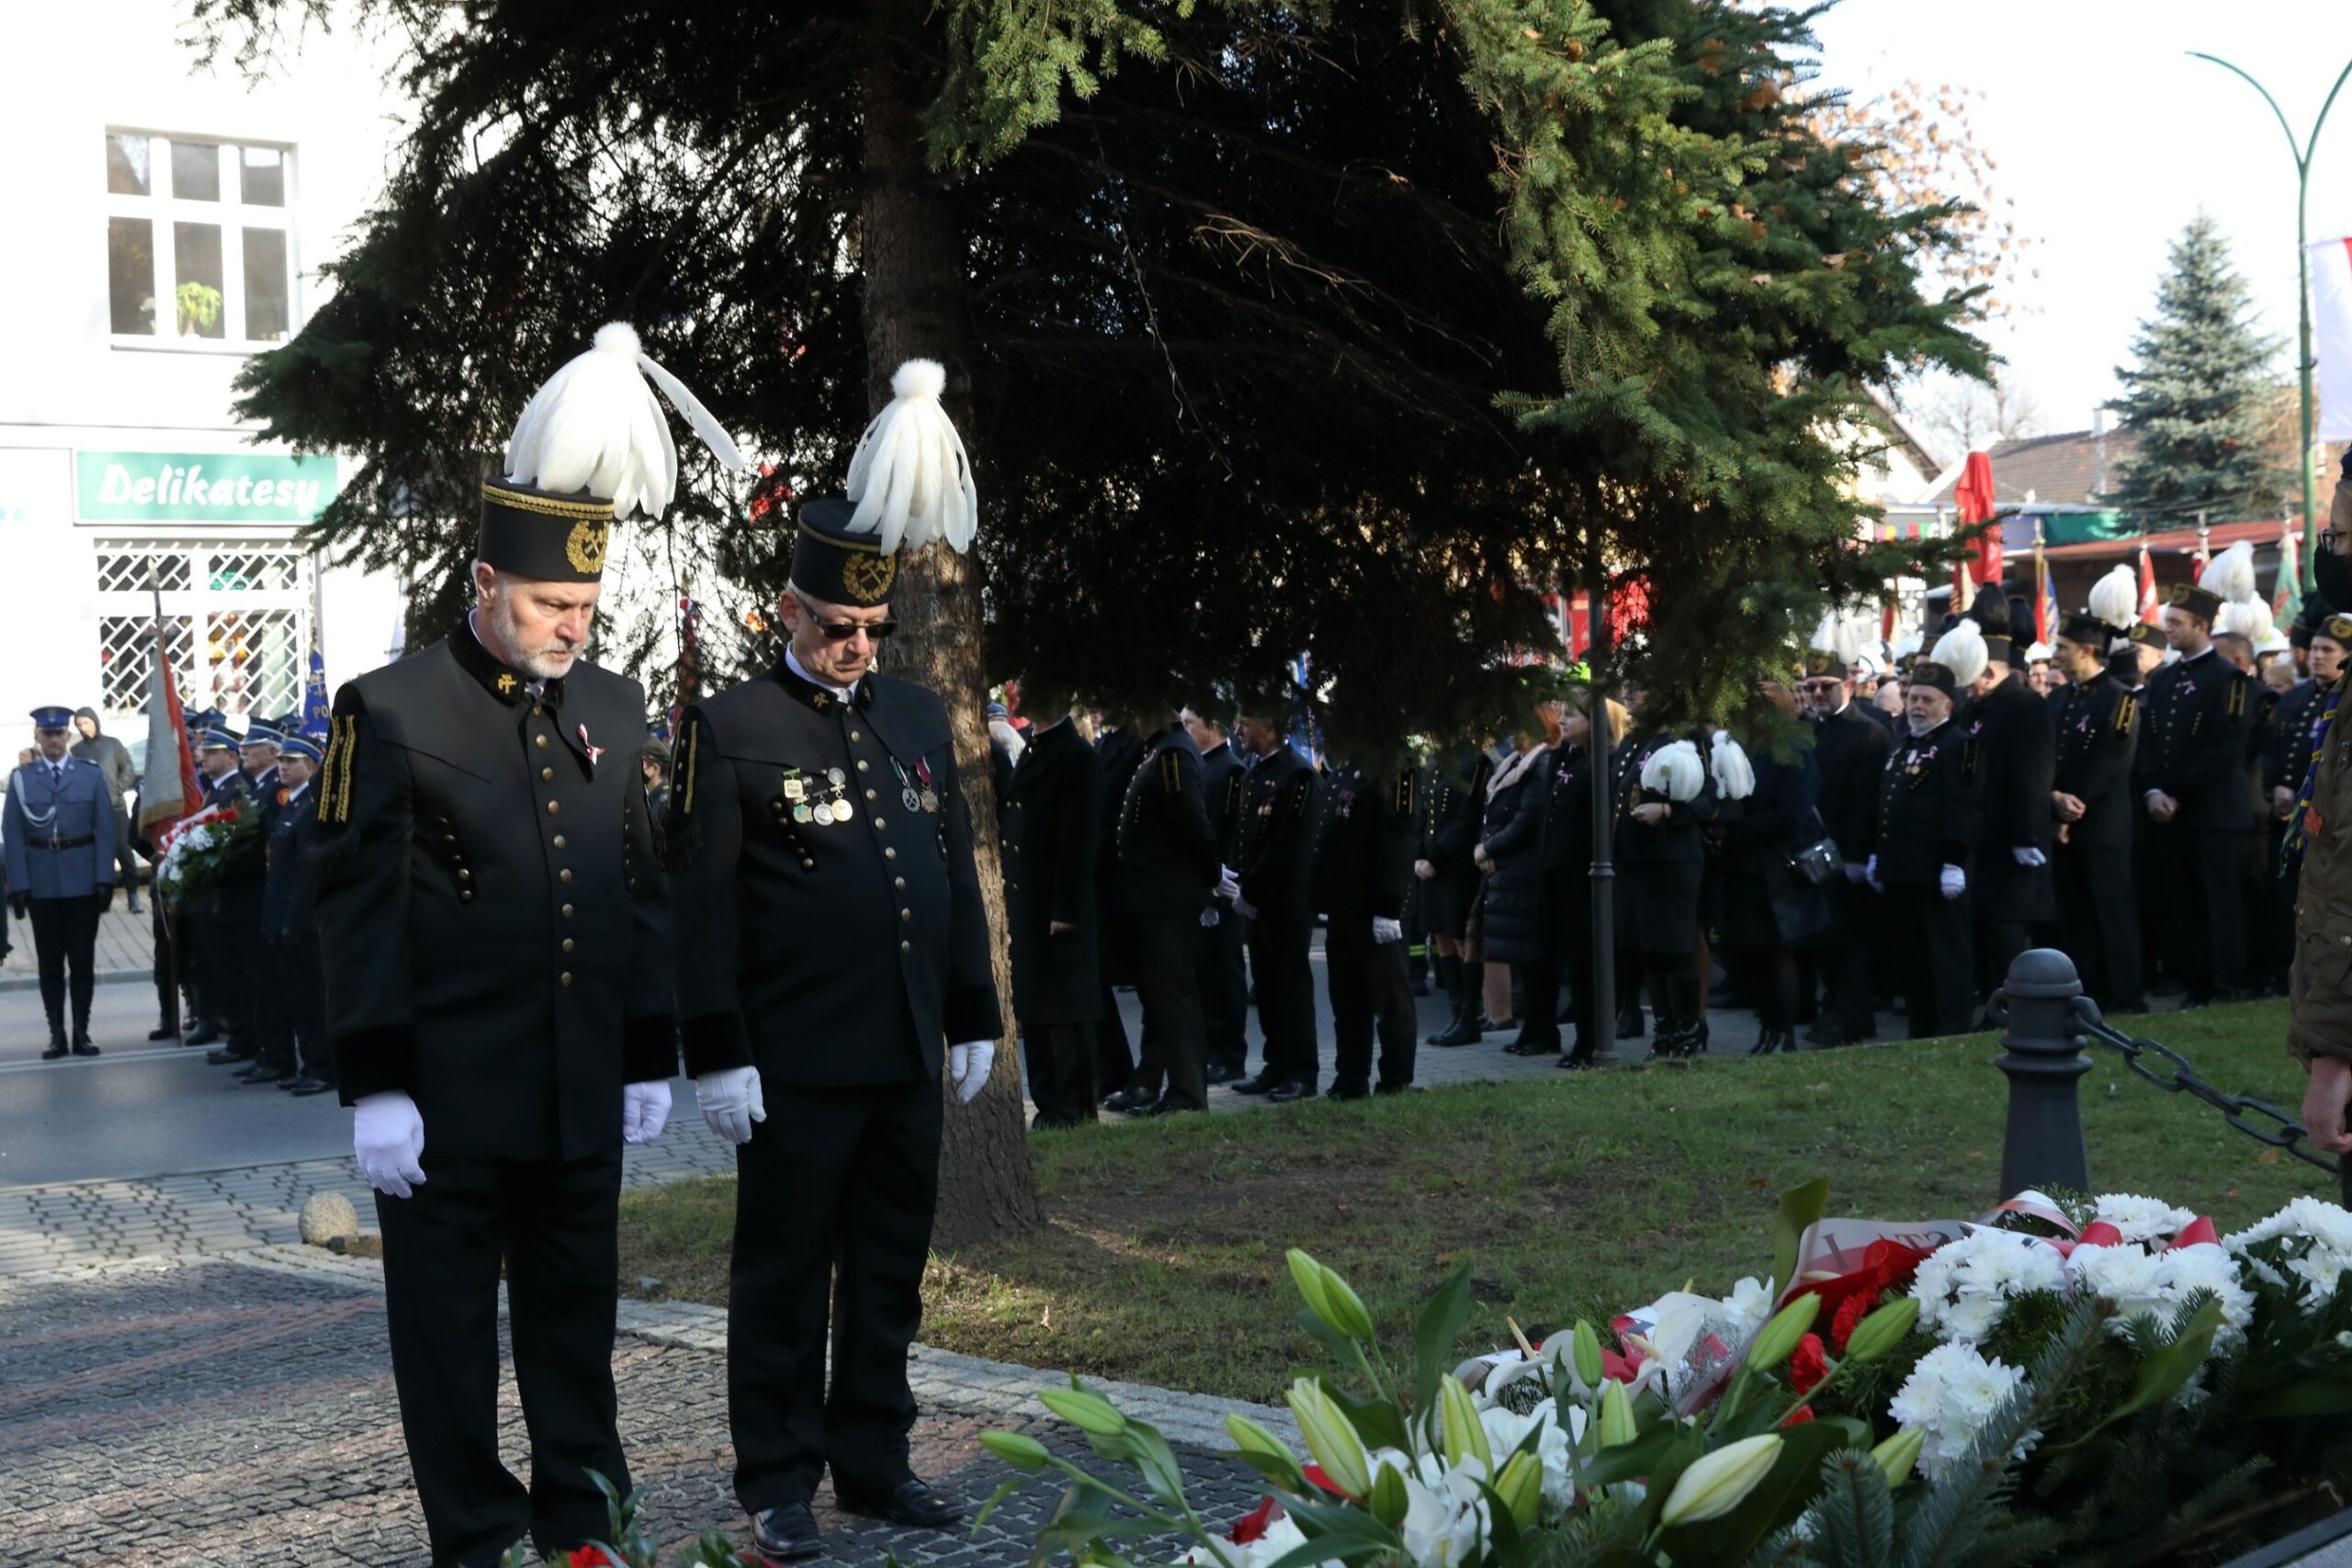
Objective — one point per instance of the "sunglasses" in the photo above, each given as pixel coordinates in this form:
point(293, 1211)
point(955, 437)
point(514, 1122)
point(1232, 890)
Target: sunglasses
point(842, 631)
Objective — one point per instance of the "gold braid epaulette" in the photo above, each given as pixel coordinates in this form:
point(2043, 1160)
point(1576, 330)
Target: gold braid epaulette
point(686, 790)
point(2125, 712)
point(1405, 792)
point(2237, 698)
point(1172, 774)
point(334, 782)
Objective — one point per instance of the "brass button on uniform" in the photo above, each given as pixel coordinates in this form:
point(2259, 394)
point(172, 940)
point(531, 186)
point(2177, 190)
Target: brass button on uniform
point(906, 914)
point(900, 882)
point(536, 710)
point(567, 944)
point(869, 795)
point(538, 740)
point(464, 875)
point(565, 977)
point(880, 824)
point(564, 876)
point(567, 911)
point(808, 865)
point(466, 895)
point(545, 774)
point(558, 840)
point(906, 947)
point(553, 806)
point(889, 854)
point(853, 735)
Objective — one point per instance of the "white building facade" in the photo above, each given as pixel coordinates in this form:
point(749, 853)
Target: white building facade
point(169, 223)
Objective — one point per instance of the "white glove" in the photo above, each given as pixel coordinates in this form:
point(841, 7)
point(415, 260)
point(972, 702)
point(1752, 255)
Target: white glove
point(968, 1068)
point(1386, 931)
point(1859, 872)
point(645, 1111)
point(1870, 874)
point(1228, 887)
point(1208, 919)
point(731, 1102)
point(2026, 855)
point(387, 1139)
point(1243, 908)
point(1953, 881)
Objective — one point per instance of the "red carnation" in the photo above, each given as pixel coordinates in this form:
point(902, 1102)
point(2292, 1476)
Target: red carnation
point(587, 1557)
point(1799, 1416)
point(1851, 1311)
point(1808, 1364)
point(1254, 1525)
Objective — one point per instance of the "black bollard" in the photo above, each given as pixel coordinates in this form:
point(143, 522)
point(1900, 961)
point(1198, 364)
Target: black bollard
point(2043, 1057)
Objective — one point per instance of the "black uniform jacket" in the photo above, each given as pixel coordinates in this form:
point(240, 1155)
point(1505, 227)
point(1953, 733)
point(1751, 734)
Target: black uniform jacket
point(2099, 736)
point(1050, 837)
point(290, 898)
point(1277, 837)
point(489, 907)
point(1676, 839)
point(1453, 806)
point(2200, 715)
point(827, 953)
point(1363, 854)
point(2018, 733)
point(1931, 793)
point(1223, 776)
point(1167, 840)
point(1850, 747)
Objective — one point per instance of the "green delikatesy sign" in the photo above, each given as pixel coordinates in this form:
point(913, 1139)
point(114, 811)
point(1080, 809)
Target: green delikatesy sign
point(201, 486)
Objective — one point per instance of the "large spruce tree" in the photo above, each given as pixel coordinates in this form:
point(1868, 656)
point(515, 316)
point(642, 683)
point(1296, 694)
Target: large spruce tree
point(2199, 397)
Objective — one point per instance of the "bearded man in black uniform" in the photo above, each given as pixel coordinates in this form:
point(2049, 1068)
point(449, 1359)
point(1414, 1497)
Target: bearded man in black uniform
point(1050, 838)
point(2091, 799)
point(832, 949)
point(498, 982)
point(2010, 890)
point(1270, 889)
point(1224, 979)
point(1930, 795)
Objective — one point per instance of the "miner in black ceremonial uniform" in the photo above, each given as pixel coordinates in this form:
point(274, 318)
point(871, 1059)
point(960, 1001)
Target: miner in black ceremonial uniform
point(1363, 869)
point(1050, 838)
point(1118, 753)
point(2010, 890)
point(61, 825)
point(1930, 794)
point(2092, 801)
point(2303, 718)
point(1168, 869)
point(2191, 773)
point(1850, 747)
point(496, 946)
point(1225, 978)
point(832, 952)
point(1453, 805)
point(1269, 890)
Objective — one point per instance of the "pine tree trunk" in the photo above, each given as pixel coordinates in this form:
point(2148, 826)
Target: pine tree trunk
point(910, 251)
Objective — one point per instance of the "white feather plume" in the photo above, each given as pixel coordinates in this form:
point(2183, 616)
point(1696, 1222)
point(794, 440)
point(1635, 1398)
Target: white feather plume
point(909, 478)
point(1735, 775)
point(2250, 618)
point(1962, 650)
point(594, 425)
point(1674, 771)
point(1904, 645)
point(2114, 598)
point(2230, 573)
point(1839, 636)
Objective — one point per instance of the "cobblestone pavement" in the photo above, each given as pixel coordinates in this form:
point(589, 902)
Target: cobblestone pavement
point(238, 1413)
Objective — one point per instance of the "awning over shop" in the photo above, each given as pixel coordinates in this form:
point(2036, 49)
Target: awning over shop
point(2218, 538)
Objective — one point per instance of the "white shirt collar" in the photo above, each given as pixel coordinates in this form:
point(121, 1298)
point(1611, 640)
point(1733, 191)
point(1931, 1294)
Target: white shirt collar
point(792, 662)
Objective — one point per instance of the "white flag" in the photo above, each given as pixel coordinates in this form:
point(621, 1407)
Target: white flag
point(2331, 261)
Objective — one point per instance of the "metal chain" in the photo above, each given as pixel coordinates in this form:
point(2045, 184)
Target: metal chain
point(2184, 1079)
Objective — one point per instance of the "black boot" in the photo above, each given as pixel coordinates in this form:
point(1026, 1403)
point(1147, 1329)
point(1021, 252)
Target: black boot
point(57, 1047)
point(1628, 1017)
point(1578, 1058)
point(1449, 979)
point(1469, 1020)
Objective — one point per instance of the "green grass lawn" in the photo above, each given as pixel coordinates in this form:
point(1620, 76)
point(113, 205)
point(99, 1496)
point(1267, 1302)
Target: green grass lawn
point(1163, 1262)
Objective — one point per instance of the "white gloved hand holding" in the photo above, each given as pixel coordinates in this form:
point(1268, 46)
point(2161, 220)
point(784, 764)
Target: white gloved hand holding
point(645, 1111)
point(1386, 931)
point(731, 1102)
point(968, 1068)
point(1243, 908)
point(387, 1139)
point(1870, 874)
point(1857, 870)
point(1951, 881)
point(1208, 919)
point(1228, 887)
point(2027, 856)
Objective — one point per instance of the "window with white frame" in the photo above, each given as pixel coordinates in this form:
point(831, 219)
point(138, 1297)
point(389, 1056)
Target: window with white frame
point(199, 247)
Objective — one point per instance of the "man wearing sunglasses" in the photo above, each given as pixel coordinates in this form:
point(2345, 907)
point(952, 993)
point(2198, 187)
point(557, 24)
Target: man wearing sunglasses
point(833, 955)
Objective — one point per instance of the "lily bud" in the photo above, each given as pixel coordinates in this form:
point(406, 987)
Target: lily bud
point(1521, 1486)
point(1778, 1337)
point(1466, 1434)
point(1899, 1454)
point(1389, 1500)
point(1307, 1275)
point(1584, 1348)
point(1089, 1413)
point(1022, 1452)
point(1331, 1437)
point(1882, 1330)
point(1252, 1439)
point(1722, 1480)
point(1616, 1415)
point(1329, 1297)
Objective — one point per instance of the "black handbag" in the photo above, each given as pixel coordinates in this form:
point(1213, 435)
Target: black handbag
point(1819, 862)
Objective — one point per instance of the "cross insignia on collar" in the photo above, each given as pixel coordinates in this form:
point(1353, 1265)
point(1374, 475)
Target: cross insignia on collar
point(505, 685)
point(821, 701)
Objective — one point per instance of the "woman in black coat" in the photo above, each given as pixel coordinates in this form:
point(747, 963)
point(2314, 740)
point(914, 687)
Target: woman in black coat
point(1769, 910)
point(1051, 811)
point(1518, 927)
point(1660, 864)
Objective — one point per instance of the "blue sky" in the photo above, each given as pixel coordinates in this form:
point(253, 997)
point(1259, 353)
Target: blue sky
point(2110, 137)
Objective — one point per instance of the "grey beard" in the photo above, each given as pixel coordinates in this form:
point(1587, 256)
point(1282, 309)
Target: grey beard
point(510, 636)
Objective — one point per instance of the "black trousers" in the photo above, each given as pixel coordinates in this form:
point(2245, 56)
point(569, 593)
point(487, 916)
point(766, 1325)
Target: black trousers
point(1539, 1004)
point(169, 960)
point(302, 982)
point(65, 936)
point(1843, 959)
point(1372, 988)
point(553, 1223)
point(1114, 1059)
point(1286, 994)
point(833, 1210)
point(2098, 913)
point(1175, 1029)
point(2201, 880)
point(1060, 1058)
point(1930, 934)
point(271, 1008)
point(1225, 990)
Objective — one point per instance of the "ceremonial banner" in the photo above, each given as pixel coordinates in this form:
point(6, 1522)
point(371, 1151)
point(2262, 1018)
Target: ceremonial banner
point(168, 790)
point(2331, 261)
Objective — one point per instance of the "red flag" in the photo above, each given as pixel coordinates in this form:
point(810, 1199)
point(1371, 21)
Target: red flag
point(1973, 495)
point(2148, 610)
point(168, 790)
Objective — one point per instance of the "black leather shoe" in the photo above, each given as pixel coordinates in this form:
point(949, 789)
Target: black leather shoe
point(1286, 1093)
point(205, 1035)
point(56, 1050)
point(251, 1071)
point(1224, 1073)
point(909, 1503)
point(1265, 1083)
point(84, 1047)
point(161, 1031)
point(298, 1085)
point(788, 1534)
point(1166, 1105)
point(1131, 1099)
point(1348, 1091)
point(220, 1056)
point(1394, 1088)
point(267, 1077)
point(1467, 1030)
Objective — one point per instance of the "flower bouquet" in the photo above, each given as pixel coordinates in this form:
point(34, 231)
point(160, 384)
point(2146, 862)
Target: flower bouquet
point(203, 846)
point(1979, 1391)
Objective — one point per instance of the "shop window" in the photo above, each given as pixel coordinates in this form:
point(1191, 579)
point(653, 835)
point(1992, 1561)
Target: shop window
point(237, 618)
point(127, 656)
point(199, 242)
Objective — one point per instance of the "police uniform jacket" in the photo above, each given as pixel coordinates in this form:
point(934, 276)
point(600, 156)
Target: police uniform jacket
point(1223, 773)
point(1167, 842)
point(2019, 736)
point(489, 909)
point(1931, 793)
point(290, 897)
point(2199, 718)
point(1277, 837)
point(233, 789)
point(1850, 747)
point(1050, 837)
point(2099, 736)
point(827, 953)
point(61, 829)
point(1361, 860)
point(243, 874)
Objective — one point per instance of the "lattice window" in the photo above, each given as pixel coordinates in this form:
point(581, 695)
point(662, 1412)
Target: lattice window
point(253, 570)
point(127, 656)
point(255, 659)
point(136, 571)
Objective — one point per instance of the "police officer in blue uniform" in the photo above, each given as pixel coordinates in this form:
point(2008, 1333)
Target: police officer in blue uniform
point(832, 956)
point(61, 827)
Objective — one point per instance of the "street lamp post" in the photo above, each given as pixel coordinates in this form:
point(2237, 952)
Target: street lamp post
point(2302, 155)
